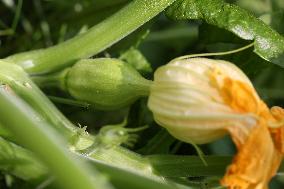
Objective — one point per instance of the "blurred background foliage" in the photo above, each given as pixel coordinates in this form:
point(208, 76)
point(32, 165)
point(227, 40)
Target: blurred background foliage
point(33, 24)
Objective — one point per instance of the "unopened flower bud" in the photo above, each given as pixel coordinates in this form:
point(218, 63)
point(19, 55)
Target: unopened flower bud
point(191, 99)
point(106, 82)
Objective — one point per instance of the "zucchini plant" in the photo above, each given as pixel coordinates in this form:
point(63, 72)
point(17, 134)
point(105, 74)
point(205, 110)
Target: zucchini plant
point(118, 94)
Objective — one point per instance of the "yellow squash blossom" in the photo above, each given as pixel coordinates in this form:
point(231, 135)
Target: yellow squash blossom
point(199, 100)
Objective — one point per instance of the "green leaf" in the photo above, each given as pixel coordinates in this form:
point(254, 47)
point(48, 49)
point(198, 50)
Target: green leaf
point(268, 44)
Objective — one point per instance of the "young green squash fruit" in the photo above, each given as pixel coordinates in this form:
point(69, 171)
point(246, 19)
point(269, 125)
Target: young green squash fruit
point(106, 83)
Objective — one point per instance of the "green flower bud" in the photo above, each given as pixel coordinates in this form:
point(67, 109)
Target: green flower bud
point(105, 83)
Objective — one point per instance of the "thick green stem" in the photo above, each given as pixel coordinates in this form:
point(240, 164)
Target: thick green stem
point(128, 160)
point(57, 79)
point(50, 147)
point(93, 41)
point(18, 80)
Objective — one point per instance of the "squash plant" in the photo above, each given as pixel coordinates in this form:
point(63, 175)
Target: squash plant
point(86, 84)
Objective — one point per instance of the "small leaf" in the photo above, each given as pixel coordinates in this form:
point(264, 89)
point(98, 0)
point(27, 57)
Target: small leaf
point(136, 59)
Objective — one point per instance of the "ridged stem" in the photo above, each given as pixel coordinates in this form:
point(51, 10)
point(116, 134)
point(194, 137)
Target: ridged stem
point(95, 40)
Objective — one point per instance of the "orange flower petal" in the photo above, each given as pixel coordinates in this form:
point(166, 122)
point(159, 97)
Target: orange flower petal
point(278, 132)
point(256, 162)
point(260, 148)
